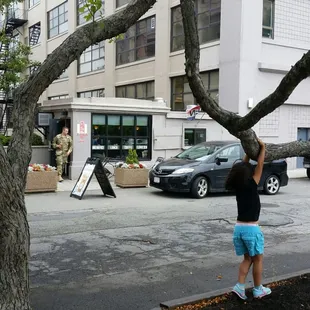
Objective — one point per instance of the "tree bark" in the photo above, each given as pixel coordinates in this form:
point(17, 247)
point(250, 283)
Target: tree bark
point(235, 124)
point(14, 230)
point(14, 241)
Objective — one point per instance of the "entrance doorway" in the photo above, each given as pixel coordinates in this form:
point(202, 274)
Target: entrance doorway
point(303, 134)
point(56, 126)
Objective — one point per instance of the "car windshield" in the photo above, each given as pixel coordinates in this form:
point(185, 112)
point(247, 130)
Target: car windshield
point(199, 152)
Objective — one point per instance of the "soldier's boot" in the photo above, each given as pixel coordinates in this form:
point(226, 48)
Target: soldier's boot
point(60, 179)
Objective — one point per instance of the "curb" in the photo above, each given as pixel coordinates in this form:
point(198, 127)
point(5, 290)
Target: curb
point(172, 304)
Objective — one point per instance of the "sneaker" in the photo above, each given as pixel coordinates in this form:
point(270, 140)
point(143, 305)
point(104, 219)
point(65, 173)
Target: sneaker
point(60, 179)
point(239, 292)
point(261, 292)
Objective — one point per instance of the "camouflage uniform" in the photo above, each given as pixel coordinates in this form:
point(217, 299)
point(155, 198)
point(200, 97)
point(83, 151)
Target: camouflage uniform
point(61, 154)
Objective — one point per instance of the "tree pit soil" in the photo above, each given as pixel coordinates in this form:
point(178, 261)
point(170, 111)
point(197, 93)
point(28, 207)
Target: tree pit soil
point(290, 294)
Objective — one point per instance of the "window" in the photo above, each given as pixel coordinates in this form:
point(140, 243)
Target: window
point(64, 75)
point(58, 97)
point(91, 93)
point(33, 2)
point(114, 135)
point(9, 116)
point(268, 19)
point(200, 151)
point(34, 34)
point(137, 91)
point(138, 42)
point(193, 136)
point(181, 94)
point(58, 20)
point(92, 59)
point(121, 3)
point(208, 23)
point(232, 153)
point(14, 43)
point(81, 16)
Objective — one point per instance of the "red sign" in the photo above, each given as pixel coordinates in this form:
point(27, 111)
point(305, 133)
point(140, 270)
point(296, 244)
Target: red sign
point(82, 130)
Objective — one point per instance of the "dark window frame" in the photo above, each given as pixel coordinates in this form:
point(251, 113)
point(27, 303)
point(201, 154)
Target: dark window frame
point(49, 19)
point(91, 91)
point(195, 129)
point(30, 30)
point(66, 96)
point(209, 26)
point(269, 29)
point(123, 3)
point(135, 86)
point(122, 136)
point(135, 35)
point(173, 93)
point(91, 49)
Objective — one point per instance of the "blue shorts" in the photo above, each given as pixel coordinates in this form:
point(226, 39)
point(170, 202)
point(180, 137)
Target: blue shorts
point(248, 239)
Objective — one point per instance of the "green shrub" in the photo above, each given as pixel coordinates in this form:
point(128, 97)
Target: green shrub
point(132, 157)
point(5, 140)
point(36, 140)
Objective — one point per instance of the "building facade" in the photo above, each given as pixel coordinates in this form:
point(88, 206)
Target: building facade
point(246, 49)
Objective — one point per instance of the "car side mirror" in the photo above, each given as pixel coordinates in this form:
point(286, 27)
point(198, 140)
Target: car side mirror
point(220, 160)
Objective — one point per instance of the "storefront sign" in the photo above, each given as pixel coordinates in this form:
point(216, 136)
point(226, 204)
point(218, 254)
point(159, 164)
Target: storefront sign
point(82, 130)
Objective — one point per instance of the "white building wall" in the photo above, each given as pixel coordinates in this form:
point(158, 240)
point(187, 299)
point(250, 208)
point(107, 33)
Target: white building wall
point(292, 21)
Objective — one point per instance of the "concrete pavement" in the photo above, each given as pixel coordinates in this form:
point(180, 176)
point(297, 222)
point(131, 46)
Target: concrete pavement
point(145, 247)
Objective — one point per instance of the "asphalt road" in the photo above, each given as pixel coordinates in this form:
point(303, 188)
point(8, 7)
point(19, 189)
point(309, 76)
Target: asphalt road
point(145, 247)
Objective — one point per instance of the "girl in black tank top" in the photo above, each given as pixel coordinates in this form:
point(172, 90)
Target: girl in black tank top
point(248, 238)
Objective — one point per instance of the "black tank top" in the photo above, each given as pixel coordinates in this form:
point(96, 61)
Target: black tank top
point(248, 202)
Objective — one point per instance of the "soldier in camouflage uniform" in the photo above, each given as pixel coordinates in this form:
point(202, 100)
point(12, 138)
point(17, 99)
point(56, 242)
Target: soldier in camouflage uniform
point(63, 145)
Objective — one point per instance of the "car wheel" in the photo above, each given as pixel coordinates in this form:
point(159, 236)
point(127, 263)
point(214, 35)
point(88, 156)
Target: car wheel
point(308, 173)
point(272, 185)
point(200, 188)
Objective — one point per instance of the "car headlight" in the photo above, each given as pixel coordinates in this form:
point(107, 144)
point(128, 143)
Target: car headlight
point(183, 171)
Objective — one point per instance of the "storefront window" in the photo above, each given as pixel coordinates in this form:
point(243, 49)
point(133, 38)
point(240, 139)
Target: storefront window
point(114, 135)
point(128, 125)
point(114, 125)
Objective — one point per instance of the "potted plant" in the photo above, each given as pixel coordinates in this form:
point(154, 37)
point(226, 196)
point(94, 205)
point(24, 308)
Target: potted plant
point(41, 178)
point(131, 173)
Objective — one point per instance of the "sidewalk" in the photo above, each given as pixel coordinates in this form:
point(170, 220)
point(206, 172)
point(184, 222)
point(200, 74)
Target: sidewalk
point(67, 185)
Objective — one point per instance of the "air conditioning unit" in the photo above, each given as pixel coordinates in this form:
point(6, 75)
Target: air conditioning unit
point(43, 119)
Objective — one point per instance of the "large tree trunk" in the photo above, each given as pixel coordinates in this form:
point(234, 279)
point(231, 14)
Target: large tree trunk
point(14, 230)
point(14, 253)
point(14, 240)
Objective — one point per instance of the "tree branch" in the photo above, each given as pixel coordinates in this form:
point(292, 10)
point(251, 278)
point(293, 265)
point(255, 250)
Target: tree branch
point(232, 122)
point(192, 57)
point(298, 72)
point(27, 95)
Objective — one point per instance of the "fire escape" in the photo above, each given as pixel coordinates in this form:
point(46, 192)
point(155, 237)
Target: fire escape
point(14, 19)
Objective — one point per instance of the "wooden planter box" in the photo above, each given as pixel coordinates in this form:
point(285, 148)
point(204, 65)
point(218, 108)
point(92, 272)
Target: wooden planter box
point(131, 177)
point(43, 181)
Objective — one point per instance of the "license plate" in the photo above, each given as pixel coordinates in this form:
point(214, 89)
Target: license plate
point(306, 166)
point(156, 180)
